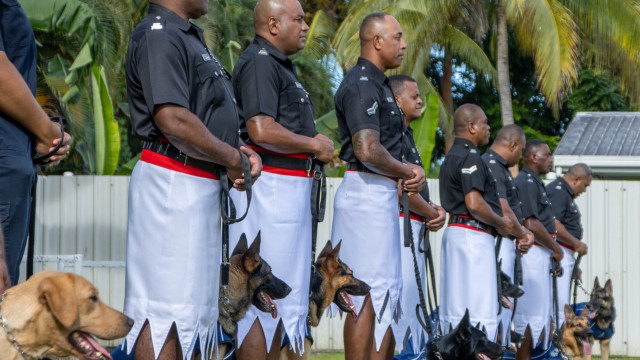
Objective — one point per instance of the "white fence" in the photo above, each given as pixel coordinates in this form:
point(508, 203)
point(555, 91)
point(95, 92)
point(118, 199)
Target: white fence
point(87, 215)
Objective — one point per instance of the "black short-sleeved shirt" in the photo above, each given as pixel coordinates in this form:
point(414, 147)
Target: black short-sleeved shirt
point(412, 155)
point(169, 63)
point(464, 170)
point(564, 208)
point(19, 45)
point(504, 182)
point(364, 100)
point(265, 82)
point(534, 199)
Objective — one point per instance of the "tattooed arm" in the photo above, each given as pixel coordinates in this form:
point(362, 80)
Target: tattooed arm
point(367, 148)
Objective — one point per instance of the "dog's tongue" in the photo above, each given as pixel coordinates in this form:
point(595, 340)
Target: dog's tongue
point(592, 314)
point(90, 347)
point(274, 313)
point(506, 301)
point(483, 357)
point(347, 298)
point(586, 347)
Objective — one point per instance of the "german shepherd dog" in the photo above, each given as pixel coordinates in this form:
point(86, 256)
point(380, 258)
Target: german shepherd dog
point(603, 314)
point(509, 290)
point(465, 342)
point(331, 281)
point(250, 282)
point(576, 334)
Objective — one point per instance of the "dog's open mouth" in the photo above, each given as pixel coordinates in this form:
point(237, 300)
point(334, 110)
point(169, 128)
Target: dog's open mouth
point(506, 303)
point(345, 303)
point(482, 356)
point(88, 346)
point(268, 305)
point(592, 314)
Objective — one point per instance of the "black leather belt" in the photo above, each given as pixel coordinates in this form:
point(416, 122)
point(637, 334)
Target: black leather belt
point(170, 151)
point(455, 219)
point(285, 162)
point(357, 166)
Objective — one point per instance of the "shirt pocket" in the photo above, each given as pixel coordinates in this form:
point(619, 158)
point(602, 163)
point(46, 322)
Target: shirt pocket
point(300, 107)
point(207, 70)
point(18, 35)
point(390, 118)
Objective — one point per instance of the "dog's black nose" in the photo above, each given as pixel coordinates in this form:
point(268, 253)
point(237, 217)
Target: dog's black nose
point(130, 322)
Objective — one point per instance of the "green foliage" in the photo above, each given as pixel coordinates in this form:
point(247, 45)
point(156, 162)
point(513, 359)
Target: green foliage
point(106, 127)
point(598, 90)
point(424, 129)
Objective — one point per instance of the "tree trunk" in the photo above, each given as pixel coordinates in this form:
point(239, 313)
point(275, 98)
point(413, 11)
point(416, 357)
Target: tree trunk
point(504, 85)
point(447, 97)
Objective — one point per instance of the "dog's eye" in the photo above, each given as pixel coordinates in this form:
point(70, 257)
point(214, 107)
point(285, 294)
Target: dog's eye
point(93, 298)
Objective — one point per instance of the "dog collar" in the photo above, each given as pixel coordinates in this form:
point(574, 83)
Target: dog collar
point(9, 334)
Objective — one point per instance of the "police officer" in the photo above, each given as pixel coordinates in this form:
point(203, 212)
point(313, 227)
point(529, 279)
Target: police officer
point(277, 121)
point(562, 192)
point(182, 105)
point(425, 215)
point(505, 152)
point(366, 202)
point(468, 192)
point(23, 127)
point(534, 309)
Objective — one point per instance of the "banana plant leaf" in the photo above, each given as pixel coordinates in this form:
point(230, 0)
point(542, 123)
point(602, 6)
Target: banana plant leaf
point(107, 135)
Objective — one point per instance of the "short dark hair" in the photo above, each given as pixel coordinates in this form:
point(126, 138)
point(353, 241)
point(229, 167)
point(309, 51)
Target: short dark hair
point(581, 171)
point(368, 21)
point(396, 82)
point(532, 145)
point(509, 133)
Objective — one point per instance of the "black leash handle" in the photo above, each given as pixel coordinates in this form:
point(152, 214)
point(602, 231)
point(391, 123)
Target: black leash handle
point(574, 277)
point(228, 213)
point(318, 201)
point(498, 266)
point(43, 158)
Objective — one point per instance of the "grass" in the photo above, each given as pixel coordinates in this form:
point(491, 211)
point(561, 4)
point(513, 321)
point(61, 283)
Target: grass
point(340, 356)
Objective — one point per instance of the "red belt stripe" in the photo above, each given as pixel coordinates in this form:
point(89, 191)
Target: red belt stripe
point(154, 158)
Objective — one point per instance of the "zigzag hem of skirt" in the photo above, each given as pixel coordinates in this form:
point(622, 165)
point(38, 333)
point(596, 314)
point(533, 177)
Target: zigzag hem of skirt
point(207, 339)
point(414, 332)
point(545, 332)
point(296, 341)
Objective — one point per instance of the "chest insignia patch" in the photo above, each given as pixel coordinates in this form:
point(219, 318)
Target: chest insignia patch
point(530, 180)
point(492, 161)
point(364, 78)
point(156, 26)
point(389, 99)
point(469, 170)
point(473, 151)
point(372, 109)
point(298, 85)
point(263, 52)
point(206, 57)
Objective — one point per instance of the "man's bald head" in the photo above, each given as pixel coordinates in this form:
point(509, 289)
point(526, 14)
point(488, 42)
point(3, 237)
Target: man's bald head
point(580, 171)
point(509, 134)
point(465, 114)
point(266, 9)
point(371, 26)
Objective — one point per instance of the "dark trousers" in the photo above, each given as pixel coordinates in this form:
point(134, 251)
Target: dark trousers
point(17, 175)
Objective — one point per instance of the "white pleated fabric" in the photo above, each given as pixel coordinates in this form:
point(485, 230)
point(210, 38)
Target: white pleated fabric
point(508, 256)
point(365, 218)
point(534, 307)
point(408, 325)
point(468, 279)
point(281, 210)
point(173, 257)
point(564, 283)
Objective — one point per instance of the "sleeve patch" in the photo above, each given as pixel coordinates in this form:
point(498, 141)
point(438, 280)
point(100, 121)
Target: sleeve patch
point(372, 109)
point(469, 170)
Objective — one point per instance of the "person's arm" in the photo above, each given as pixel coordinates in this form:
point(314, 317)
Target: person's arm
point(481, 211)
point(18, 103)
point(543, 237)
point(269, 134)
point(524, 237)
point(566, 237)
point(185, 131)
point(437, 223)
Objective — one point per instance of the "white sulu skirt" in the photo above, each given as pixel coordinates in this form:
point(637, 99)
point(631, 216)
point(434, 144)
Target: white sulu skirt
point(365, 218)
point(534, 307)
point(468, 279)
point(173, 257)
point(564, 283)
point(281, 211)
point(408, 325)
point(508, 256)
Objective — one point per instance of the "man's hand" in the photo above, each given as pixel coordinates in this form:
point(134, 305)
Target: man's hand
point(578, 275)
point(558, 254)
point(45, 145)
point(323, 148)
point(556, 268)
point(256, 168)
point(504, 227)
point(416, 183)
point(581, 248)
point(437, 223)
point(525, 242)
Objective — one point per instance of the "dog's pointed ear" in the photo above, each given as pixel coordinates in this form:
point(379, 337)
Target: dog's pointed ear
point(325, 250)
point(607, 287)
point(251, 258)
point(58, 292)
point(568, 312)
point(585, 311)
point(464, 327)
point(596, 284)
point(335, 252)
point(241, 246)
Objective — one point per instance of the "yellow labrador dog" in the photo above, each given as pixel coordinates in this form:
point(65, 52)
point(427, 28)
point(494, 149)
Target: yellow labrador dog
point(57, 314)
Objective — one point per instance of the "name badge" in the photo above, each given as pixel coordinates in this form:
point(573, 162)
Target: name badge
point(206, 57)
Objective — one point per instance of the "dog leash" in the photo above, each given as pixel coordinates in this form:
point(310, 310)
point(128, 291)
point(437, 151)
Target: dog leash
point(574, 277)
point(318, 201)
point(228, 214)
point(556, 330)
point(498, 267)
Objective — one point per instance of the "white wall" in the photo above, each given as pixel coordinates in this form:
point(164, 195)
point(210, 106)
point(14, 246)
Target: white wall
point(88, 215)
